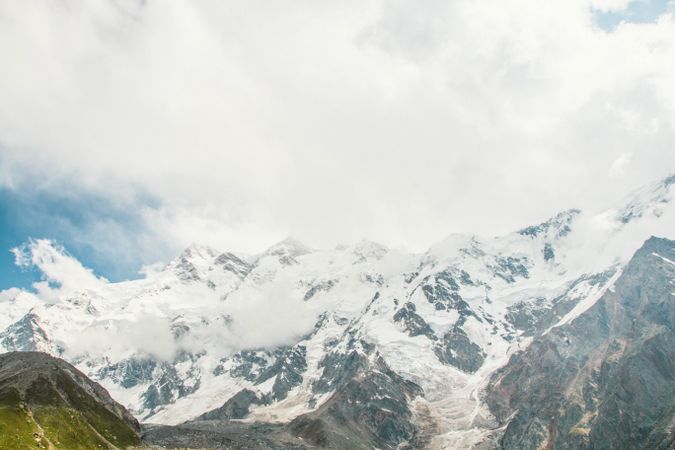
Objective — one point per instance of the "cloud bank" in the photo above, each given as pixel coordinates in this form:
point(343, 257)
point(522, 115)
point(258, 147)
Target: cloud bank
point(399, 121)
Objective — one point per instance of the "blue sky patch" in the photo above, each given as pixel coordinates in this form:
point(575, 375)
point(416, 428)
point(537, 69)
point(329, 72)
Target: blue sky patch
point(103, 235)
point(638, 11)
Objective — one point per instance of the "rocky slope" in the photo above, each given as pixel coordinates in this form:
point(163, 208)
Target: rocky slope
point(606, 379)
point(360, 344)
point(47, 403)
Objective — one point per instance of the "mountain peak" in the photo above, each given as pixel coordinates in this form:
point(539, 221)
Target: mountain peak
point(26, 334)
point(199, 251)
point(557, 226)
point(191, 262)
point(648, 199)
point(366, 249)
point(287, 250)
point(663, 247)
point(289, 245)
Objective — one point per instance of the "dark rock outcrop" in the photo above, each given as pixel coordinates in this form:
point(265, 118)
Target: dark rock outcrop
point(237, 407)
point(456, 349)
point(286, 364)
point(414, 324)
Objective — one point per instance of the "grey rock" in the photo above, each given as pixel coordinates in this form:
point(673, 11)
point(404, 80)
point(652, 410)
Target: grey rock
point(536, 315)
point(288, 369)
point(369, 407)
point(605, 380)
point(548, 252)
point(456, 349)
point(556, 227)
point(415, 325)
point(508, 268)
point(129, 372)
point(442, 291)
point(237, 407)
point(219, 434)
point(286, 364)
point(165, 385)
point(323, 286)
point(232, 263)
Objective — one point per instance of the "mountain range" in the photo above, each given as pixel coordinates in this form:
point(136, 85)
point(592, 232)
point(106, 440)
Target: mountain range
point(557, 335)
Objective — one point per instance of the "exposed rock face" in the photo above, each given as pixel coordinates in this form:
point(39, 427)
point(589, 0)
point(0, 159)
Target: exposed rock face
point(48, 402)
point(606, 379)
point(232, 263)
point(457, 350)
point(536, 315)
point(442, 291)
point(130, 372)
point(414, 324)
point(287, 369)
point(371, 409)
point(161, 381)
point(368, 407)
point(284, 364)
point(509, 268)
point(322, 286)
point(237, 407)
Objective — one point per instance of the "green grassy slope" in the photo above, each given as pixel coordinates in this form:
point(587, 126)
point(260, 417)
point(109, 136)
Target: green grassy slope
point(52, 411)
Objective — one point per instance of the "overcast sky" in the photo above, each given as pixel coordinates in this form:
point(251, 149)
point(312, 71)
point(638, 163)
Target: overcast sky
point(130, 129)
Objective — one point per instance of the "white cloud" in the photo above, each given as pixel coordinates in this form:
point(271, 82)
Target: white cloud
point(393, 120)
point(271, 318)
point(61, 273)
point(618, 167)
point(9, 294)
point(610, 5)
point(146, 335)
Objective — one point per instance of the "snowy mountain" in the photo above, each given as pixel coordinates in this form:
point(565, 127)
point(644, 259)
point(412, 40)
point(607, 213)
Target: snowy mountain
point(401, 347)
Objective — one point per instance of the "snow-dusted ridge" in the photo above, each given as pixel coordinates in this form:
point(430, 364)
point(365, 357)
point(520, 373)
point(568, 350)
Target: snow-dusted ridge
point(280, 325)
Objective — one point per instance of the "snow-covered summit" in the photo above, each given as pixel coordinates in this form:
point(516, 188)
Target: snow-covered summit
point(555, 227)
point(366, 250)
point(287, 251)
point(650, 200)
